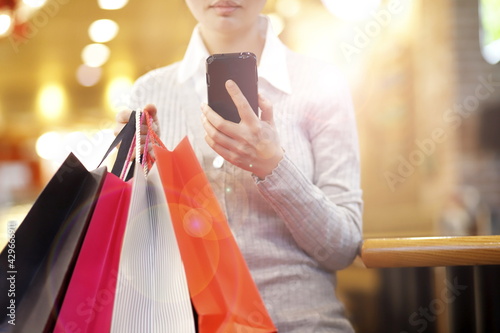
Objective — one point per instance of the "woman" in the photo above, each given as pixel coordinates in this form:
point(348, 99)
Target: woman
point(289, 181)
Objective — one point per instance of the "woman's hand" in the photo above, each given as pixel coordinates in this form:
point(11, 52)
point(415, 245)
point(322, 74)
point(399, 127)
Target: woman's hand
point(252, 144)
point(122, 119)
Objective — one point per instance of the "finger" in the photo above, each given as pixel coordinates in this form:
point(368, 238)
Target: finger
point(121, 119)
point(228, 154)
point(151, 109)
point(153, 113)
point(123, 116)
point(220, 150)
point(118, 127)
point(225, 126)
point(266, 107)
point(144, 130)
point(244, 109)
point(215, 135)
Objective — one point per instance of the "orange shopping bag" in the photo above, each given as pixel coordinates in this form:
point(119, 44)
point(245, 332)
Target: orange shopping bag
point(222, 290)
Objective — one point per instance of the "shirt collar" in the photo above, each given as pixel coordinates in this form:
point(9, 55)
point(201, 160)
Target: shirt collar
point(196, 53)
point(272, 66)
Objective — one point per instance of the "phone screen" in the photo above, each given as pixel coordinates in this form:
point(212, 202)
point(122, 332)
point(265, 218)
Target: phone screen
point(239, 67)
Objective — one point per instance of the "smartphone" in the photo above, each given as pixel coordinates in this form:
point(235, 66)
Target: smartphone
point(242, 69)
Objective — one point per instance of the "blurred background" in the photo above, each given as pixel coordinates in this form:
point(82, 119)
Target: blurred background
point(424, 76)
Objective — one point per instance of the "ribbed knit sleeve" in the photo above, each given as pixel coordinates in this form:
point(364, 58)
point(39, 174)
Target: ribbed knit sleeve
point(322, 210)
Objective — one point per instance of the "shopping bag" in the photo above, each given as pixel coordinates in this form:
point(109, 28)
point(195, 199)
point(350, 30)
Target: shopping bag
point(151, 292)
point(41, 254)
point(89, 299)
point(88, 303)
point(222, 290)
point(36, 265)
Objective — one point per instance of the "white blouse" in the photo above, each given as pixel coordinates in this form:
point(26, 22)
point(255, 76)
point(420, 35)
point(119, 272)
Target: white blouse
point(304, 221)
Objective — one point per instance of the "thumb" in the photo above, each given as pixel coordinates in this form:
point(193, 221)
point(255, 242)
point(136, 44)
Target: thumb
point(267, 110)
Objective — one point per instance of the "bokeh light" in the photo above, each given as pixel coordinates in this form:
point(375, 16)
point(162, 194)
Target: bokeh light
point(88, 76)
point(118, 92)
point(48, 146)
point(34, 3)
point(5, 23)
point(51, 101)
point(102, 31)
point(95, 55)
point(112, 4)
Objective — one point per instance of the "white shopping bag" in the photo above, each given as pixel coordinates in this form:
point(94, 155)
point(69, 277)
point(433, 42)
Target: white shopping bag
point(151, 293)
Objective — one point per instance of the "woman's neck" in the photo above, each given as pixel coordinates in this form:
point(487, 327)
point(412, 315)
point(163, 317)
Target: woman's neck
point(250, 40)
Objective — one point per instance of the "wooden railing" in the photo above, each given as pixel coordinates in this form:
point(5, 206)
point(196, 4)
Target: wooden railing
point(472, 263)
point(431, 251)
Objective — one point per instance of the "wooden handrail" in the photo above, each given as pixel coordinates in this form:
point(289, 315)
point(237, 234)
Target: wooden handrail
point(431, 251)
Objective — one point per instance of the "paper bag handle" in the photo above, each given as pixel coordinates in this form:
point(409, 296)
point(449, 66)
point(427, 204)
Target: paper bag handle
point(126, 138)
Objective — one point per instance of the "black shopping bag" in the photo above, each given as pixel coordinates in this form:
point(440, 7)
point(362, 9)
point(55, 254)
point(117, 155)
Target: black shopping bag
point(36, 264)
